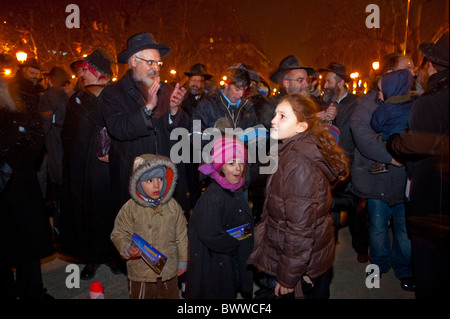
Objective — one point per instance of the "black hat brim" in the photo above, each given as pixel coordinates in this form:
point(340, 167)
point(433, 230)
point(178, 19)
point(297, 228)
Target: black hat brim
point(275, 78)
point(126, 54)
point(344, 76)
point(426, 49)
point(206, 76)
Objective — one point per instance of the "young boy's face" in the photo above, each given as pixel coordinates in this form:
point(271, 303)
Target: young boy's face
point(153, 187)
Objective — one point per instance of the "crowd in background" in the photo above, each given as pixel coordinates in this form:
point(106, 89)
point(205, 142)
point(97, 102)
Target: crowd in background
point(86, 163)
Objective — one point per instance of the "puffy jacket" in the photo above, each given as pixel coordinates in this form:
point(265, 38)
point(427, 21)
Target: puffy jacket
point(163, 227)
point(295, 236)
point(217, 261)
point(210, 110)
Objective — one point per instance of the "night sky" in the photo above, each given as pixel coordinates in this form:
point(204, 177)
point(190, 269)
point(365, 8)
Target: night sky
point(308, 28)
point(316, 31)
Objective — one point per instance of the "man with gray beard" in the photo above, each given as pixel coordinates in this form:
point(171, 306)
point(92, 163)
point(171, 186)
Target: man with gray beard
point(140, 112)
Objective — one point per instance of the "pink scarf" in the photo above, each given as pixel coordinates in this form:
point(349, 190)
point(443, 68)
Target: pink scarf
point(208, 169)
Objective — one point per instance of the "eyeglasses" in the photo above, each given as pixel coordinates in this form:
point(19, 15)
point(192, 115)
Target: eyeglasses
point(151, 62)
point(300, 80)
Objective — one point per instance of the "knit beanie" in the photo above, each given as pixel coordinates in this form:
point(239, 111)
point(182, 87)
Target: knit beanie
point(226, 149)
point(157, 172)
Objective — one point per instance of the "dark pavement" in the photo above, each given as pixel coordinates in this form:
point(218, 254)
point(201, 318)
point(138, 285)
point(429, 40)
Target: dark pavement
point(348, 281)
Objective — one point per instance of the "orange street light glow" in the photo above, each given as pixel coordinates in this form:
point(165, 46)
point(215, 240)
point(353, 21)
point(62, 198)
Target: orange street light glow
point(21, 56)
point(376, 65)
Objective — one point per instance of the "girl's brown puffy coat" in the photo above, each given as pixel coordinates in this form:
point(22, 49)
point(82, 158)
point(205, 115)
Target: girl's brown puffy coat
point(295, 236)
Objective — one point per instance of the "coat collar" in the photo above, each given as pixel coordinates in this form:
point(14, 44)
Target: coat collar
point(131, 88)
point(310, 147)
point(438, 79)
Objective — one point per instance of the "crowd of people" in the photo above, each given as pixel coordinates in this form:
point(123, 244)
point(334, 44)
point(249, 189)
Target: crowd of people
point(87, 167)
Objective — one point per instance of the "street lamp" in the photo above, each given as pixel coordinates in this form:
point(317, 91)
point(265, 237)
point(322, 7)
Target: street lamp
point(354, 75)
point(21, 56)
point(376, 65)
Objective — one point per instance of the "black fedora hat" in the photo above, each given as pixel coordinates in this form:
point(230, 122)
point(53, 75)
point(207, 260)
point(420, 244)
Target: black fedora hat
point(338, 69)
point(289, 63)
point(198, 69)
point(139, 42)
point(437, 51)
point(99, 60)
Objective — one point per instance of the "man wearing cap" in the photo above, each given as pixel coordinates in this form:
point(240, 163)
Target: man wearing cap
point(140, 112)
point(196, 87)
point(424, 149)
point(227, 108)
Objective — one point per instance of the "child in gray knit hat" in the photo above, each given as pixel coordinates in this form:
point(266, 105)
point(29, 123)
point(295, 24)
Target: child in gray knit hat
point(157, 218)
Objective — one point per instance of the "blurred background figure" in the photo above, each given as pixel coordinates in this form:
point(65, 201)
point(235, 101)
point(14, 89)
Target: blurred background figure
point(52, 106)
point(21, 200)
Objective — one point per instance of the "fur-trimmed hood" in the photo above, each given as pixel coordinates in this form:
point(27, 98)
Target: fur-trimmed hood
point(143, 164)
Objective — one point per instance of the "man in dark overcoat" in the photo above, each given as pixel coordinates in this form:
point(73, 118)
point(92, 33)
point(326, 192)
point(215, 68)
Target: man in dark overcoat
point(140, 112)
point(424, 149)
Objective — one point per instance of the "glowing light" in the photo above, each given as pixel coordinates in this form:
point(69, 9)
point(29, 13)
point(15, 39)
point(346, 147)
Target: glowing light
point(21, 56)
point(173, 72)
point(224, 78)
point(7, 71)
point(114, 79)
point(73, 76)
point(376, 65)
point(222, 82)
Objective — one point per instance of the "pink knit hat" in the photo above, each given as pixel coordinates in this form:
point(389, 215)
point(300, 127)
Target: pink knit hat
point(226, 149)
